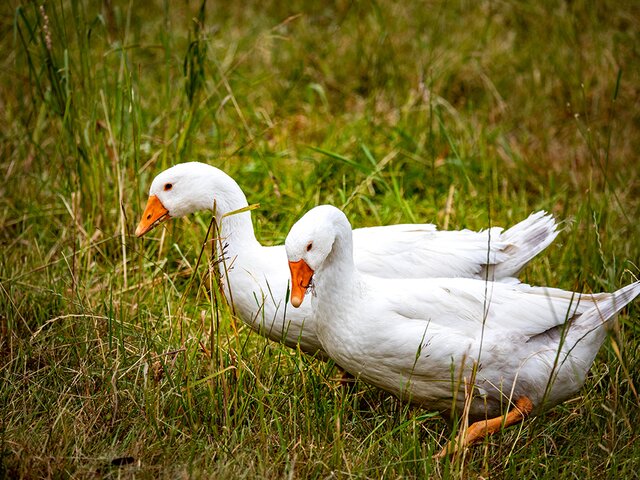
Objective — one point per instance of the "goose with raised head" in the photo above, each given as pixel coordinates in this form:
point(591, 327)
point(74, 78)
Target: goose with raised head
point(514, 348)
point(258, 276)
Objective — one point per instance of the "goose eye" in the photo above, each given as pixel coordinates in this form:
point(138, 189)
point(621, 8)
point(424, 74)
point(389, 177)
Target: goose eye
point(168, 186)
point(310, 246)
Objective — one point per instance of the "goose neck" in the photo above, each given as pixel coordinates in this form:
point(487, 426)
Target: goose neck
point(338, 276)
point(224, 197)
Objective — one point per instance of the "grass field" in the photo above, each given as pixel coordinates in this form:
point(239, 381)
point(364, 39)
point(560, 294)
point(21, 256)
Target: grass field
point(117, 360)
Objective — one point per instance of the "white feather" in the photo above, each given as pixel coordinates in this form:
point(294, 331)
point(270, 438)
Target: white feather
point(420, 338)
point(259, 278)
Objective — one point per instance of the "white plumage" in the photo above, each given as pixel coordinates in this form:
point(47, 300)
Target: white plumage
point(420, 338)
point(259, 278)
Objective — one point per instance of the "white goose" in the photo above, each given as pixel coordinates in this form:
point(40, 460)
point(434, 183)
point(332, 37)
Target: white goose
point(259, 278)
point(421, 339)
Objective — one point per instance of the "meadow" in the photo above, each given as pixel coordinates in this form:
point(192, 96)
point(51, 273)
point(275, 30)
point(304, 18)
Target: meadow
point(118, 356)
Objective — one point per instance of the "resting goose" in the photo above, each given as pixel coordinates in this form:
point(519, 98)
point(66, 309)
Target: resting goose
point(422, 339)
point(259, 276)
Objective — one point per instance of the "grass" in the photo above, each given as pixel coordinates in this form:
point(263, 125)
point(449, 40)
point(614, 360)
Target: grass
point(463, 114)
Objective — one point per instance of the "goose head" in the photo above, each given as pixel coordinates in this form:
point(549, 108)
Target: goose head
point(311, 241)
point(186, 188)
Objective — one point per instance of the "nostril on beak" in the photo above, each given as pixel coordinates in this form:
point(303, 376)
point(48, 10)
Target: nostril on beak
point(148, 216)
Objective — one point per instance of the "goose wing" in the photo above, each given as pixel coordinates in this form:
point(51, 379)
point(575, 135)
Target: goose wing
point(422, 251)
point(466, 306)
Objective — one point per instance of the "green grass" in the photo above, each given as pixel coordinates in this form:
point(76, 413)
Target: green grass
point(112, 366)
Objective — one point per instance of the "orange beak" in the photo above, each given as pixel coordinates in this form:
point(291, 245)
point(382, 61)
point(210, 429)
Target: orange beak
point(154, 213)
point(301, 275)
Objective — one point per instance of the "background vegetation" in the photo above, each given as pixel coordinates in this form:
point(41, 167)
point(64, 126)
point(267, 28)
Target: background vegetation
point(116, 360)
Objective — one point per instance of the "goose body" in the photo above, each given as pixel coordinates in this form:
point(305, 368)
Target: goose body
point(257, 278)
point(421, 339)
